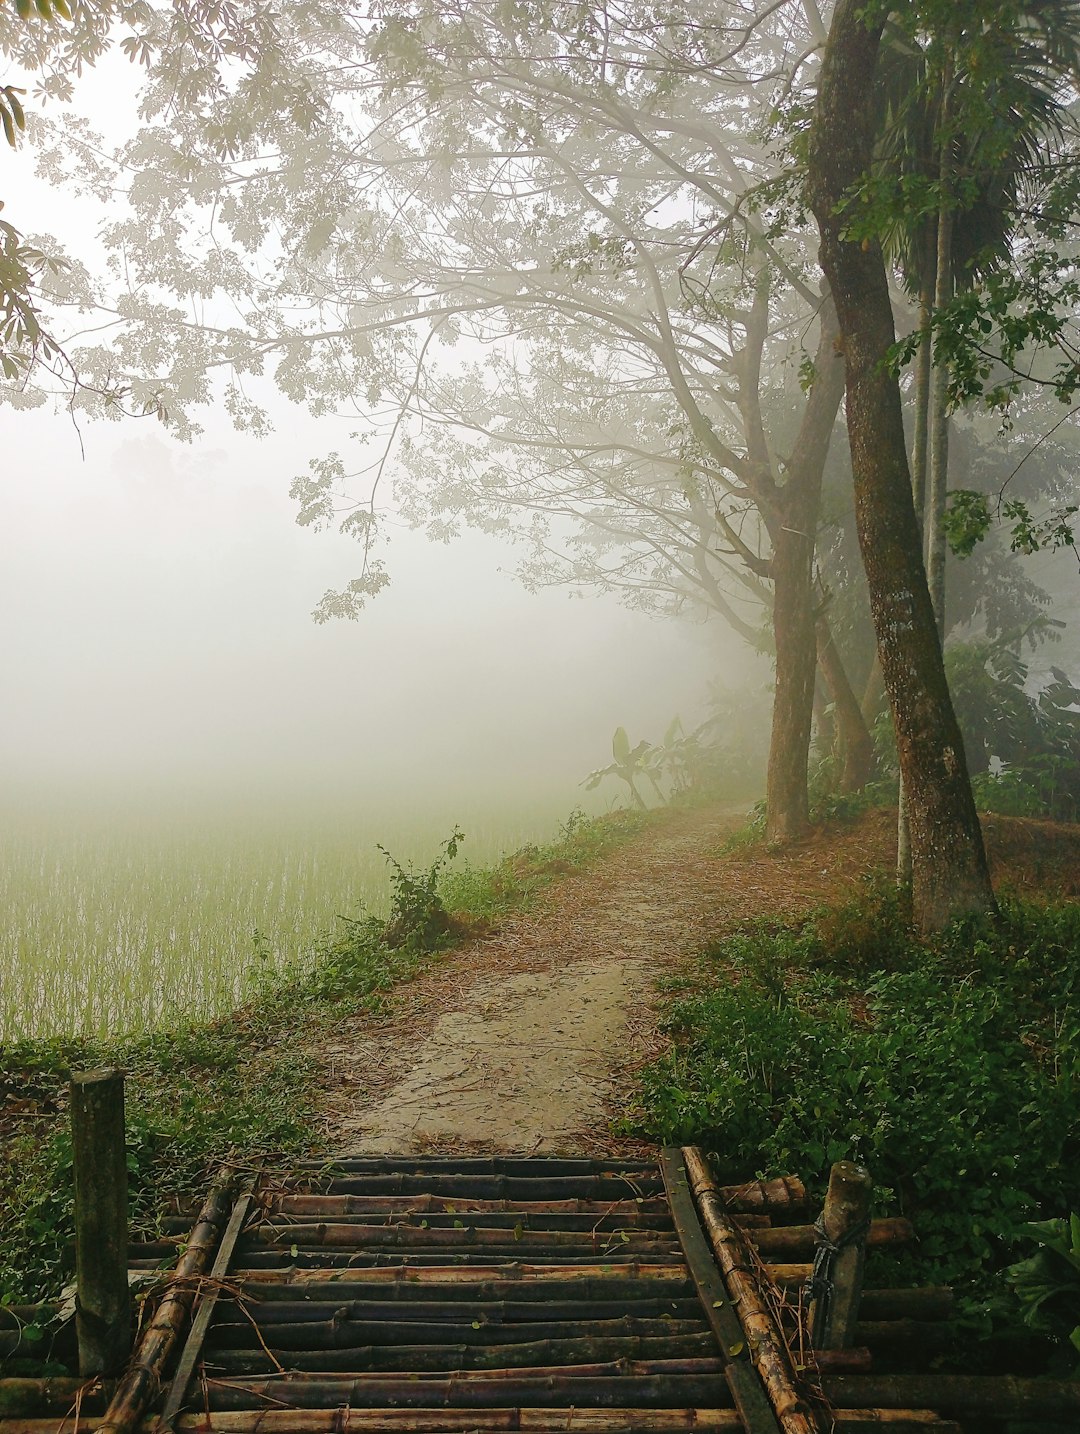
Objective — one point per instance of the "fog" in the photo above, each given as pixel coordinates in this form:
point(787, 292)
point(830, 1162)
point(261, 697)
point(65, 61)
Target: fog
point(158, 640)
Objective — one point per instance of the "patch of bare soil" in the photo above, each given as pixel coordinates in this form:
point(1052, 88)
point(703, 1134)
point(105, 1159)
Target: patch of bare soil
point(523, 1040)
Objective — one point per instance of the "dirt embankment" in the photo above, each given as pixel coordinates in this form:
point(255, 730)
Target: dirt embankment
point(522, 1040)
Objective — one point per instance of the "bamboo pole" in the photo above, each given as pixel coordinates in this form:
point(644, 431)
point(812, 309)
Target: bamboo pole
point(196, 1336)
point(445, 1358)
point(620, 1281)
point(409, 1301)
point(537, 1166)
point(29, 1397)
point(99, 1150)
point(890, 1336)
point(1003, 1396)
point(500, 1187)
point(515, 1389)
point(348, 1334)
point(768, 1349)
point(266, 1280)
point(142, 1380)
point(929, 1302)
point(838, 1268)
point(321, 1257)
point(788, 1240)
point(856, 1359)
point(623, 1367)
point(443, 1421)
point(488, 1312)
point(517, 1238)
point(463, 1421)
point(14, 1317)
point(743, 1380)
point(597, 1220)
point(769, 1197)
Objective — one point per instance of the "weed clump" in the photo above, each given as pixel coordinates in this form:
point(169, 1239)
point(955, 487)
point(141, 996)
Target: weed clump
point(952, 1068)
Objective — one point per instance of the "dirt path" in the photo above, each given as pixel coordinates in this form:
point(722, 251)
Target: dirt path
point(516, 1041)
point(523, 1040)
point(519, 1041)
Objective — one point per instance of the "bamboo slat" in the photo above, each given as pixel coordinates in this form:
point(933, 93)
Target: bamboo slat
point(287, 1203)
point(442, 1358)
point(796, 1240)
point(286, 1302)
point(141, 1381)
point(891, 1336)
point(476, 1165)
point(768, 1349)
point(1003, 1396)
point(349, 1334)
point(532, 1421)
point(263, 1281)
point(442, 1421)
point(928, 1302)
point(203, 1315)
point(286, 1257)
point(14, 1317)
point(743, 1380)
point(515, 1239)
point(487, 1312)
point(611, 1186)
point(512, 1219)
point(516, 1389)
point(28, 1397)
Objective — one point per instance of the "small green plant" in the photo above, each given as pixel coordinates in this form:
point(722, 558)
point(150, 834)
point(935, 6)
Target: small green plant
point(1047, 1283)
point(751, 832)
point(418, 919)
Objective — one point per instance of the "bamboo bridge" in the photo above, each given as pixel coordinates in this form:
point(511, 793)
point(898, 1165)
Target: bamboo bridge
point(418, 1295)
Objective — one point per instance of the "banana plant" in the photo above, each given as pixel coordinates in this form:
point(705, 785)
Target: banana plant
point(629, 762)
point(679, 755)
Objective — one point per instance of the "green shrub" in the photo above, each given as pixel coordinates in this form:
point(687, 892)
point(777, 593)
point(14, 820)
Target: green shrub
point(951, 1070)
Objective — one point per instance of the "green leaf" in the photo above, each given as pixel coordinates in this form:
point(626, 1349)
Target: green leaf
point(620, 746)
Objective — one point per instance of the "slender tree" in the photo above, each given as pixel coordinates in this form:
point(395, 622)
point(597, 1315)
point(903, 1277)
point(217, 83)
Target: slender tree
point(950, 874)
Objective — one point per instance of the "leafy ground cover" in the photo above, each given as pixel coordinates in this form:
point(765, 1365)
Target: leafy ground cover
point(951, 1069)
point(247, 1084)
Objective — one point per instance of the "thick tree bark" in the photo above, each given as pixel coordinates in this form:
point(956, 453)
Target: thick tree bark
point(855, 743)
point(791, 517)
point(949, 870)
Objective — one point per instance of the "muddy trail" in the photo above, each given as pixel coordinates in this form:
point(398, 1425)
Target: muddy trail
point(524, 1039)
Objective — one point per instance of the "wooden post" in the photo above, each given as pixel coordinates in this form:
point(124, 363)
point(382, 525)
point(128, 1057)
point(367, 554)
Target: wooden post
point(103, 1300)
point(838, 1269)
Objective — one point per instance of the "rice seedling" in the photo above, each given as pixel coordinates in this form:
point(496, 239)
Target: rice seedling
point(115, 928)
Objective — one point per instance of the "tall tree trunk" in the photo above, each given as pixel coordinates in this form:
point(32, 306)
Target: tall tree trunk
point(791, 515)
point(939, 429)
point(950, 874)
point(855, 743)
point(920, 443)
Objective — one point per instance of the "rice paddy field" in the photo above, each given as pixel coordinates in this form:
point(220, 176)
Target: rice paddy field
point(122, 921)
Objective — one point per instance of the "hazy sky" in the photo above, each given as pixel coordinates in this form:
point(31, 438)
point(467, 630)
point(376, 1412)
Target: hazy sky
point(157, 599)
point(156, 602)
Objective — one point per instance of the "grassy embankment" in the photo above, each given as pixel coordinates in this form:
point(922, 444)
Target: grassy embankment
point(950, 1067)
point(247, 1082)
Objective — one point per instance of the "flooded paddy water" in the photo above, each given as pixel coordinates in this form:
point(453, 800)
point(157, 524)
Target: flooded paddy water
point(119, 922)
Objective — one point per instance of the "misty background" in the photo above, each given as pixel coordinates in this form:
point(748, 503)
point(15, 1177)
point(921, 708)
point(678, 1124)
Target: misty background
point(159, 642)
